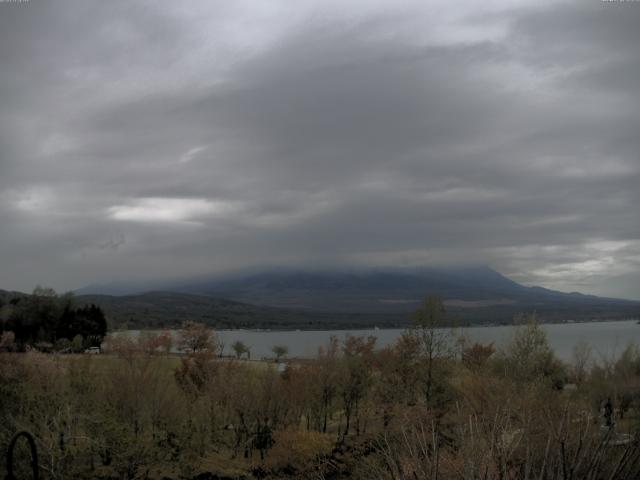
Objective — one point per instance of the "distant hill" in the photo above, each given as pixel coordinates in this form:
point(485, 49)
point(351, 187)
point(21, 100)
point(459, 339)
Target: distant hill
point(391, 290)
point(170, 309)
point(333, 299)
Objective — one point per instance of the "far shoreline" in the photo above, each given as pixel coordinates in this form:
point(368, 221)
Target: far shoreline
point(375, 328)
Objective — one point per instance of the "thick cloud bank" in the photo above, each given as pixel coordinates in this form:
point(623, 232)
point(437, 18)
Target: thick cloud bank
point(144, 139)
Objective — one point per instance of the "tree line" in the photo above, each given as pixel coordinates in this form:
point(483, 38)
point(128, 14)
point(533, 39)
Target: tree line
point(48, 321)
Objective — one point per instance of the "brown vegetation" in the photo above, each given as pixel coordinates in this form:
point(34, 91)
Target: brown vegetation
point(426, 407)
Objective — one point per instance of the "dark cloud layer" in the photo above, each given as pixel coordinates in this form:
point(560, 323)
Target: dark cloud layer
point(144, 139)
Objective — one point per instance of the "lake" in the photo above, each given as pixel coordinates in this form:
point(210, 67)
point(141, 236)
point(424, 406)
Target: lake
point(607, 339)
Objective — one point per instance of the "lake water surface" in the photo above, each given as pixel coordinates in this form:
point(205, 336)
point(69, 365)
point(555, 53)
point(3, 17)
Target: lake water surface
point(607, 339)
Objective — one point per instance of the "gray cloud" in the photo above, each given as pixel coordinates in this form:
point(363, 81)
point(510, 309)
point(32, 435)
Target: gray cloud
point(139, 139)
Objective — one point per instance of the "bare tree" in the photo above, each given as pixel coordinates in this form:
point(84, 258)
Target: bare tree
point(240, 348)
point(195, 337)
point(433, 337)
point(581, 358)
point(280, 351)
point(356, 378)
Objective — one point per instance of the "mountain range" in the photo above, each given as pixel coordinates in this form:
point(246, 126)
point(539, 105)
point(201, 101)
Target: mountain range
point(316, 298)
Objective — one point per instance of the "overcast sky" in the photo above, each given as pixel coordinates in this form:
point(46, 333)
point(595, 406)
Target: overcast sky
point(148, 139)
